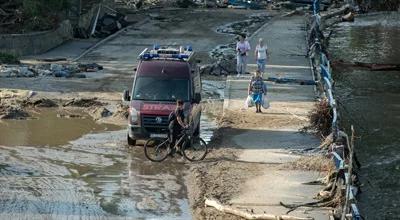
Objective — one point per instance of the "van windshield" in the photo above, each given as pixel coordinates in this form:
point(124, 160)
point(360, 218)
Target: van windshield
point(161, 89)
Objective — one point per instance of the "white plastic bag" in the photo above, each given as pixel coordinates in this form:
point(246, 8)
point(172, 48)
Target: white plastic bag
point(265, 102)
point(249, 102)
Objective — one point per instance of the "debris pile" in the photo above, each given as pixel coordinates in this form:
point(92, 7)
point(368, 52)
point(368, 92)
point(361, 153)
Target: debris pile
point(82, 102)
point(224, 66)
point(225, 55)
point(12, 112)
point(53, 69)
point(39, 103)
point(109, 24)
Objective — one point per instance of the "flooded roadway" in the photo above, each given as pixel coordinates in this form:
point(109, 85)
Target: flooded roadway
point(74, 168)
point(95, 175)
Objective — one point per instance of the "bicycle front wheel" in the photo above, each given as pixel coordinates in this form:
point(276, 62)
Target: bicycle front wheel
point(196, 150)
point(156, 149)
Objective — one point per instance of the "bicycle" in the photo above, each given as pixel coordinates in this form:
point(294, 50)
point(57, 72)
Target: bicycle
point(192, 148)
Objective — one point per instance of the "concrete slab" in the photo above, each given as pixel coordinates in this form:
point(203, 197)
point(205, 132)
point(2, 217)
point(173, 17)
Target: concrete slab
point(272, 146)
point(265, 192)
point(69, 50)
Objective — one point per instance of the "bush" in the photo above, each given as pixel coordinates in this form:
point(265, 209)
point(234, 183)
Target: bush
point(7, 58)
point(44, 7)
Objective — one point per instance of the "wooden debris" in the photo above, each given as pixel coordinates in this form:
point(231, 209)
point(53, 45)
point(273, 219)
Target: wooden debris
point(370, 66)
point(248, 215)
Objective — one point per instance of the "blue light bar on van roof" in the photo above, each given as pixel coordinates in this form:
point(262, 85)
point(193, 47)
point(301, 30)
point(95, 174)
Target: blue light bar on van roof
point(156, 46)
point(189, 48)
point(174, 56)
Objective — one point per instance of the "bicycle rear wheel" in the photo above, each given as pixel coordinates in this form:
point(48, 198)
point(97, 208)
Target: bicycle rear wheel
point(196, 150)
point(156, 149)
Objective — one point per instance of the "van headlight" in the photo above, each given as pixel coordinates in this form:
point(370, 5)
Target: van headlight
point(133, 115)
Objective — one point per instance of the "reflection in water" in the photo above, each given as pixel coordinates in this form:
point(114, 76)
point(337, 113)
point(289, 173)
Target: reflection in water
point(371, 101)
point(48, 129)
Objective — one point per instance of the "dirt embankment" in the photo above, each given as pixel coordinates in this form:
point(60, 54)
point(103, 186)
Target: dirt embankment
point(19, 104)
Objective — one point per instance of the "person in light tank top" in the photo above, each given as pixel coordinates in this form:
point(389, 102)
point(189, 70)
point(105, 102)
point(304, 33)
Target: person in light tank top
point(261, 54)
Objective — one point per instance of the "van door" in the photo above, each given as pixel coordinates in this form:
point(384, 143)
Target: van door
point(196, 107)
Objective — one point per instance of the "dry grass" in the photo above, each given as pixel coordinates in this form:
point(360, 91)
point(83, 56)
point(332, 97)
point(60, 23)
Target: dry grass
point(317, 163)
point(320, 118)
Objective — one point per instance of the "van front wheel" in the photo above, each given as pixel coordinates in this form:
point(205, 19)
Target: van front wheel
point(131, 142)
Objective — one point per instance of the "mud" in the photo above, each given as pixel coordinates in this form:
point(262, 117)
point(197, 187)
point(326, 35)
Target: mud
point(94, 176)
point(40, 103)
point(51, 127)
point(83, 102)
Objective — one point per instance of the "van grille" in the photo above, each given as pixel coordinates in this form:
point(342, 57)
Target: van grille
point(154, 121)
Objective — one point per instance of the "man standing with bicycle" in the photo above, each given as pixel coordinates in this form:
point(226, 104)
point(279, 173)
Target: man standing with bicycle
point(176, 123)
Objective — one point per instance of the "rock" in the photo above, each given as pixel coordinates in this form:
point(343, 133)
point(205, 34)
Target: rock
point(42, 72)
point(91, 67)
point(62, 73)
point(228, 65)
point(101, 113)
point(147, 204)
point(55, 67)
point(207, 69)
point(31, 94)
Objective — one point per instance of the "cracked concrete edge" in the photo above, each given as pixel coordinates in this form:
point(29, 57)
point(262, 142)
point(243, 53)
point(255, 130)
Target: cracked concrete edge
point(112, 36)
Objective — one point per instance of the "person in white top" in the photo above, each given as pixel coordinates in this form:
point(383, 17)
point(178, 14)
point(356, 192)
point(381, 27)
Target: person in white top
point(242, 47)
point(261, 53)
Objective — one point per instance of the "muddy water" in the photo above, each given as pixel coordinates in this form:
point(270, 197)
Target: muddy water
point(371, 101)
point(93, 176)
point(73, 168)
point(48, 128)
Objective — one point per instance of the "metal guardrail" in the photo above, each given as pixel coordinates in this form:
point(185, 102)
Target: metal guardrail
point(324, 76)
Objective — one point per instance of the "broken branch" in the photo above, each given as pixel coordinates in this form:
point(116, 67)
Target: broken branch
point(227, 209)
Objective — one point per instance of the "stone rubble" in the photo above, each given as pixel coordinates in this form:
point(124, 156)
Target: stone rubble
point(44, 70)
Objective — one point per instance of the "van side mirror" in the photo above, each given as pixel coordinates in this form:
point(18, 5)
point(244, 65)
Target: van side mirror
point(197, 98)
point(135, 69)
point(126, 97)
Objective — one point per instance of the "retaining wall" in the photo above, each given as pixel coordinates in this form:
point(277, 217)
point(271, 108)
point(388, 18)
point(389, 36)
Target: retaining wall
point(36, 43)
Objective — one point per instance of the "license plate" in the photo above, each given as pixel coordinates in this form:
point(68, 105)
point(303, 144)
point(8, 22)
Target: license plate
point(158, 135)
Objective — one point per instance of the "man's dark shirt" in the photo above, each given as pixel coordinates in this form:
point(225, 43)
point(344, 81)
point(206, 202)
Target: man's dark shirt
point(174, 124)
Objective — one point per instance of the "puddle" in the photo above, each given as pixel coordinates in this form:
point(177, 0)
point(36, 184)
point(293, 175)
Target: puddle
point(46, 128)
point(94, 176)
